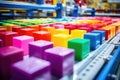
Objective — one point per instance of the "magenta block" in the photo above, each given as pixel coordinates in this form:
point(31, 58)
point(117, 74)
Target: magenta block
point(37, 48)
point(61, 59)
point(1, 43)
point(31, 69)
point(22, 42)
point(8, 56)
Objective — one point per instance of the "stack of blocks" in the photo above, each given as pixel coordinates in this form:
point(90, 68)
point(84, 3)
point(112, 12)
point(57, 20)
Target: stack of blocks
point(22, 42)
point(61, 59)
point(81, 47)
point(31, 69)
point(8, 56)
point(37, 48)
point(94, 40)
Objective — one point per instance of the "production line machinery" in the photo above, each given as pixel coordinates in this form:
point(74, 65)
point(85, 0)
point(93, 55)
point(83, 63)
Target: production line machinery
point(101, 64)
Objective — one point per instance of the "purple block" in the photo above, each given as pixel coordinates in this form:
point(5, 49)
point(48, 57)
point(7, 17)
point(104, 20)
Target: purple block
point(31, 69)
point(1, 43)
point(37, 48)
point(61, 59)
point(22, 42)
point(8, 56)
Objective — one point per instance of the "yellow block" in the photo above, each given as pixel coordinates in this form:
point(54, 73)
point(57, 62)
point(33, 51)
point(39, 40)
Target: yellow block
point(61, 31)
point(78, 33)
point(112, 30)
point(61, 40)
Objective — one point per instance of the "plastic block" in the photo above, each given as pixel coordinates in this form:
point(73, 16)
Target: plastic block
point(27, 31)
point(31, 69)
point(107, 33)
point(35, 27)
point(61, 31)
point(81, 47)
point(7, 37)
point(3, 29)
point(61, 40)
point(8, 56)
point(42, 35)
point(102, 35)
point(61, 59)
point(78, 33)
point(94, 40)
point(16, 29)
point(22, 42)
point(88, 29)
point(37, 48)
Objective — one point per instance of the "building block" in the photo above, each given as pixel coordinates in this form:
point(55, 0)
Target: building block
point(61, 31)
point(22, 42)
point(88, 29)
point(81, 47)
point(37, 48)
point(1, 43)
point(43, 25)
point(16, 29)
point(94, 40)
point(35, 27)
point(102, 35)
point(3, 29)
point(42, 35)
point(7, 37)
point(61, 40)
point(61, 59)
point(107, 33)
point(48, 29)
point(78, 33)
point(31, 69)
point(8, 56)
point(70, 27)
point(27, 31)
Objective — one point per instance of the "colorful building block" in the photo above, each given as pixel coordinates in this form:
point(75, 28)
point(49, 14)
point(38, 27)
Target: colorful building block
point(42, 35)
point(8, 56)
point(102, 35)
point(107, 33)
point(78, 33)
point(81, 47)
point(16, 29)
point(37, 48)
point(35, 27)
point(61, 59)
point(7, 37)
point(31, 69)
point(3, 29)
point(22, 42)
point(94, 40)
point(88, 29)
point(61, 31)
point(70, 27)
point(27, 31)
point(61, 40)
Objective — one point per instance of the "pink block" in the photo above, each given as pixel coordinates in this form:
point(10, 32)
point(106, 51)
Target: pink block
point(22, 42)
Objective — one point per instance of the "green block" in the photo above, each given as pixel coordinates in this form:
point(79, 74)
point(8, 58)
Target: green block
point(81, 47)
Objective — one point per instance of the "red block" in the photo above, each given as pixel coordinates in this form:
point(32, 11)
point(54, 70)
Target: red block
point(7, 37)
point(35, 27)
point(107, 33)
point(16, 29)
point(27, 31)
point(43, 25)
point(70, 27)
point(88, 29)
point(3, 29)
point(42, 35)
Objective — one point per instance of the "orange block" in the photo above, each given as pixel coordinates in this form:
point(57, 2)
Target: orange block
point(42, 35)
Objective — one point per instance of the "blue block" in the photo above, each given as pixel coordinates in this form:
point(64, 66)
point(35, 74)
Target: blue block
point(102, 35)
point(94, 40)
